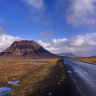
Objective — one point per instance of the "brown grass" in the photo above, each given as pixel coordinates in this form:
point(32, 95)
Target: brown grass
point(41, 79)
point(14, 69)
point(87, 60)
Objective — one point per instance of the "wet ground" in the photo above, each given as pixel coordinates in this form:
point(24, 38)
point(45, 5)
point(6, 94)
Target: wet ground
point(6, 90)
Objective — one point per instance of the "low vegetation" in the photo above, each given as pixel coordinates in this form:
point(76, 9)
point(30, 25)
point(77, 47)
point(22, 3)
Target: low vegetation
point(14, 69)
point(87, 60)
point(47, 78)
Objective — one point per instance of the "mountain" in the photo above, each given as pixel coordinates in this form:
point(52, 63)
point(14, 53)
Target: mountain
point(94, 56)
point(66, 55)
point(27, 49)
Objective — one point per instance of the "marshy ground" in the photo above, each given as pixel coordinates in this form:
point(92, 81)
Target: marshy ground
point(44, 79)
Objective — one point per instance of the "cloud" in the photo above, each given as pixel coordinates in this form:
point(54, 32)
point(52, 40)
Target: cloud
point(37, 4)
point(82, 13)
point(2, 31)
point(48, 33)
point(2, 21)
point(80, 44)
point(6, 40)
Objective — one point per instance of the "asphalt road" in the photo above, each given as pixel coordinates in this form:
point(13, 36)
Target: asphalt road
point(82, 77)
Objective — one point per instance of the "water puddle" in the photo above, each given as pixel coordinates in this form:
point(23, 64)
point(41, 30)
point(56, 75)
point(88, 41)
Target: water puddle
point(15, 83)
point(69, 72)
point(4, 91)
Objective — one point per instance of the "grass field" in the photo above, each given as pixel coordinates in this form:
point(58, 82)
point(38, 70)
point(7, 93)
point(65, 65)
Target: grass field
point(35, 79)
point(14, 69)
point(87, 60)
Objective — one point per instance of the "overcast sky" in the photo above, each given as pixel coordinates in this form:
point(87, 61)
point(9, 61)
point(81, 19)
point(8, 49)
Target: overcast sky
point(58, 25)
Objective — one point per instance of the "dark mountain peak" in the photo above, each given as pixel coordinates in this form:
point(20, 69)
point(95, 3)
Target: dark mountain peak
point(25, 44)
point(26, 48)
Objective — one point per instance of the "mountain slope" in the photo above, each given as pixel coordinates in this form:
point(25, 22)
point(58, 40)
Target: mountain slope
point(26, 48)
point(66, 54)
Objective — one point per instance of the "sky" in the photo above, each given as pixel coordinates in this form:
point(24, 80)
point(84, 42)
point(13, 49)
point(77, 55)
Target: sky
point(58, 25)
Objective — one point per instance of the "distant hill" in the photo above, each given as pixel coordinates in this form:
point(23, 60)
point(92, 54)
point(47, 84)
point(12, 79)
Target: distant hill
point(27, 49)
point(94, 56)
point(66, 55)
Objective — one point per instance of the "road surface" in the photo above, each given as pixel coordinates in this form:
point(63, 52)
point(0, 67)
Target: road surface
point(82, 77)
